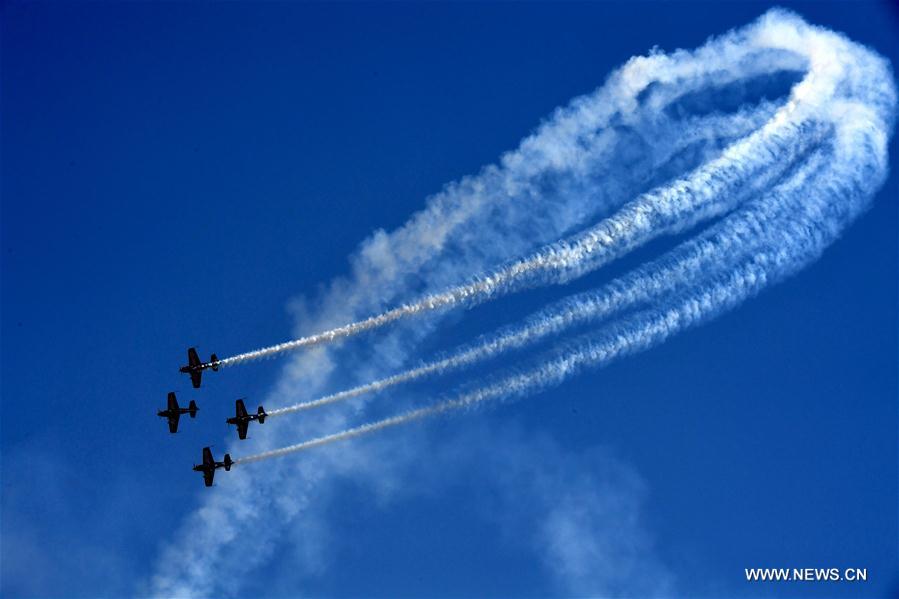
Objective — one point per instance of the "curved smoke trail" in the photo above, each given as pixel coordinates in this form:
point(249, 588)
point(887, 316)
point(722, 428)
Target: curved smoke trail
point(796, 183)
point(713, 251)
point(713, 189)
point(764, 143)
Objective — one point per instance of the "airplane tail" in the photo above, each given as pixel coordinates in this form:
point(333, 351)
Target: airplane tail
point(192, 407)
point(228, 462)
point(214, 360)
point(261, 414)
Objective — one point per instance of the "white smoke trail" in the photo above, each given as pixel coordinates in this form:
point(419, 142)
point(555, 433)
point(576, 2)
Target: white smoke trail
point(634, 334)
point(792, 224)
point(715, 250)
point(638, 335)
point(712, 189)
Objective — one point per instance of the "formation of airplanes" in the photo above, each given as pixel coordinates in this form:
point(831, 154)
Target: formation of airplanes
point(241, 419)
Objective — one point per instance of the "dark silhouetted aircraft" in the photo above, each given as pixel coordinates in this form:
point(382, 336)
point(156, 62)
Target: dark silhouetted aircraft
point(243, 419)
point(173, 412)
point(209, 465)
point(195, 368)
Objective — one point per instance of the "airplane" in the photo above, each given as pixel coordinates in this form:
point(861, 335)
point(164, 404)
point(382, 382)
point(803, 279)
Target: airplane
point(209, 465)
point(195, 368)
point(243, 419)
point(173, 412)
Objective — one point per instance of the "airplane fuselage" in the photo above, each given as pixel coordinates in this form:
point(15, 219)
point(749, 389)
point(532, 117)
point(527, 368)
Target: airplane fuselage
point(239, 419)
point(169, 413)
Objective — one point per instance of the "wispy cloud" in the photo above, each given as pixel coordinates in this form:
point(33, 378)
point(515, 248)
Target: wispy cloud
point(580, 512)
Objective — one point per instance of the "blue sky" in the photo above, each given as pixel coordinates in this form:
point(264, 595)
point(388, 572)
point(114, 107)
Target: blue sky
point(179, 175)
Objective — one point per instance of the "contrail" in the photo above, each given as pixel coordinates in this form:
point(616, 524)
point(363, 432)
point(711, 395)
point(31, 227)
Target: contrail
point(715, 187)
point(780, 232)
point(632, 334)
point(726, 244)
point(713, 251)
point(638, 334)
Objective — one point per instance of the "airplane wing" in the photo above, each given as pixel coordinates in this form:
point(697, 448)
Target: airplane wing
point(207, 457)
point(242, 428)
point(241, 409)
point(192, 358)
point(174, 417)
point(173, 402)
point(195, 378)
point(208, 475)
